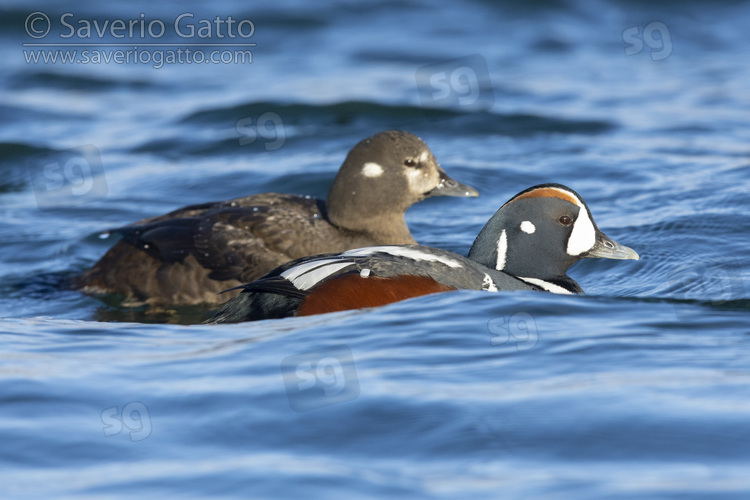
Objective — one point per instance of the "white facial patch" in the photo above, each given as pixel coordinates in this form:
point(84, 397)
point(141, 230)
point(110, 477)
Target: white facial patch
point(372, 169)
point(424, 156)
point(416, 179)
point(502, 251)
point(528, 227)
point(550, 287)
point(307, 275)
point(409, 253)
point(583, 236)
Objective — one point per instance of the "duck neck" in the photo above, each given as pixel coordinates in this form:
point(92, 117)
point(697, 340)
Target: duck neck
point(382, 229)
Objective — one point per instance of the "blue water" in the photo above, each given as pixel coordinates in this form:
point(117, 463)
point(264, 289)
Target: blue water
point(640, 389)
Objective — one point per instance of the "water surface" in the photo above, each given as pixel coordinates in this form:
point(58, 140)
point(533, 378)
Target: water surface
point(637, 390)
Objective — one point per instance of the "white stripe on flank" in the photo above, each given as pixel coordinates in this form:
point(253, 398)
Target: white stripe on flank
point(550, 287)
point(502, 250)
point(488, 284)
point(308, 274)
point(399, 251)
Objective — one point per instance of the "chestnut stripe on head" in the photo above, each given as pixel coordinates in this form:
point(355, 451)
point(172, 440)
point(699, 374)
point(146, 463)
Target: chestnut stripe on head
point(548, 192)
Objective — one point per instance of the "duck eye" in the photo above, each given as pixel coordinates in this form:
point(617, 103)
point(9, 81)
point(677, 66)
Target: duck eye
point(565, 220)
point(409, 162)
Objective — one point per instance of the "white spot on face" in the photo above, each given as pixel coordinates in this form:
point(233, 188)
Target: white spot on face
point(424, 156)
point(364, 273)
point(308, 274)
point(372, 169)
point(502, 251)
point(550, 287)
point(583, 236)
point(528, 227)
point(415, 177)
point(488, 284)
point(409, 253)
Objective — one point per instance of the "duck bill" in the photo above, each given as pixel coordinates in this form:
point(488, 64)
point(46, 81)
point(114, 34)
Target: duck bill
point(607, 248)
point(451, 187)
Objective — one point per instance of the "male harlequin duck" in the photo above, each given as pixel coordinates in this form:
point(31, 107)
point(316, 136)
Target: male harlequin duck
point(528, 244)
point(189, 255)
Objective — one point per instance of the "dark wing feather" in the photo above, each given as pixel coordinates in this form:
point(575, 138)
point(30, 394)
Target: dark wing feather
point(170, 240)
point(239, 239)
point(277, 285)
point(244, 242)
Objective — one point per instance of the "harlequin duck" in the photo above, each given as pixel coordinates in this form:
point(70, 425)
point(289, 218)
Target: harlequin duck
point(189, 255)
point(528, 244)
